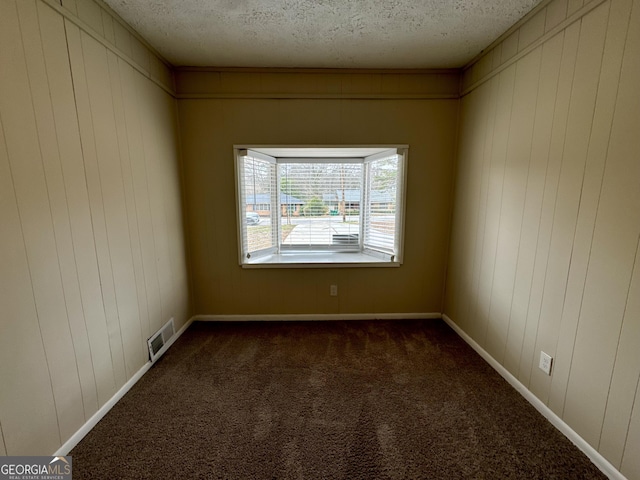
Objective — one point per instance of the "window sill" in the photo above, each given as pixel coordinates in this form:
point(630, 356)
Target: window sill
point(318, 260)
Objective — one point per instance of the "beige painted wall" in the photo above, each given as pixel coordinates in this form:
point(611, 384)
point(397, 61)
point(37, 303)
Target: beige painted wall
point(544, 251)
point(546, 224)
point(91, 251)
point(221, 108)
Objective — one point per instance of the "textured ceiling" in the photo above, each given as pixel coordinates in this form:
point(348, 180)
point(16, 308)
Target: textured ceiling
point(321, 33)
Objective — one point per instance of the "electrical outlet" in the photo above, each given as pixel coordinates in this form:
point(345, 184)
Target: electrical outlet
point(333, 290)
point(545, 362)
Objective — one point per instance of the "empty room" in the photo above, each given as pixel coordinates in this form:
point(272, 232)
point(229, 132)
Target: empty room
point(320, 239)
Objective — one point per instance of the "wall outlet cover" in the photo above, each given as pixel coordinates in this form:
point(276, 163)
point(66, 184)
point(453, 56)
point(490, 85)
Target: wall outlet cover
point(545, 362)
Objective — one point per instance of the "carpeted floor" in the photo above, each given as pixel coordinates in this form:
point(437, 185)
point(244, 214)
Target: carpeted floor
point(325, 400)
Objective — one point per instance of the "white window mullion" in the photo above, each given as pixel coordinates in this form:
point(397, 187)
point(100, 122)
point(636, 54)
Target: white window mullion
point(312, 209)
point(241, 203)
point(276, 214)
point(400, 196)
point(364, 206)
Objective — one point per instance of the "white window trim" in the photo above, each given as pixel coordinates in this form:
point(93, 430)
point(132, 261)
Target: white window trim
point(270, 258)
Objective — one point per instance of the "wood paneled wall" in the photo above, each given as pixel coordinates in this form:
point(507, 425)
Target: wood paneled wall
point(95, 18)
point(271, 83)
point(91, 251)
point(316, 108)
point(544, 250)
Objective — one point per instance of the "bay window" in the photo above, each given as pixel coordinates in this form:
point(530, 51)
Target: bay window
point(320, 206)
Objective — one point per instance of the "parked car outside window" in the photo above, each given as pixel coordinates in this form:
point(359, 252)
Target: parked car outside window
point(253, 218)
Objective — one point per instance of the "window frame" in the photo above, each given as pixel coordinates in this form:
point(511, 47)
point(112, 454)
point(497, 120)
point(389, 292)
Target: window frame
point(324, 257)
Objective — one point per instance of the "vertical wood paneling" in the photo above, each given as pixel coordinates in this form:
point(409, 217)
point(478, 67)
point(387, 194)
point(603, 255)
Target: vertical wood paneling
point(129, 146)
point(140, 53)
point(576, 277)
point(170, 187)
point(67, 131)
point(498, 156)
point(101, 22)
point(90, 13)
point(122, 38)
point(573, 6)
point(630, 461)
point(72, 275)
point(626, 375)
point(510, 46)
point(556, 13)
point(200, 245)
point(172, 180)
point(596, 157)
point(549, 201)
point(622, 400)
point(532, 30)
point(582, 103)
point(497, 56)
point(45, 122)
point(546, 98)
point(141, 193)
point(486, 148)
point(170, 184)
point(77, 41)
point(3, 449)
point(108, 175)
point(124, 223)
point(485, 64)
point(465, 226)
point(612, 256)
point(71, 5)
point(153, 162)
point(458, 250)
point(513, 198)
point(107, 27)
point(25, 158)
point(29, 424)
point(209, 133)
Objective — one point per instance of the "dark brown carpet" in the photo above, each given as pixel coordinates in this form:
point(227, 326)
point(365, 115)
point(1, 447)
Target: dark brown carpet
point(325, 400)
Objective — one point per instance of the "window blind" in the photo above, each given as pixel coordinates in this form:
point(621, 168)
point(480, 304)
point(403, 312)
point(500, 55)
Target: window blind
point(298, 206)
point(258, 189)
point(381, 193)
point(320, 205)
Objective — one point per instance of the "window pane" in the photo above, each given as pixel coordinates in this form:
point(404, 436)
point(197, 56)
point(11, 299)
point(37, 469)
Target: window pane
point(382, 184)
point(258, 185)
point(320, 205)
point(316, 205)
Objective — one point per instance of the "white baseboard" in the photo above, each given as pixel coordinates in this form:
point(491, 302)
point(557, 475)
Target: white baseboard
point(96, 417)
point(316, 317)
point(598, 460)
